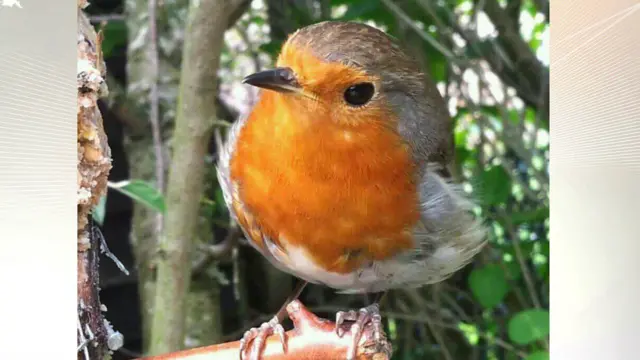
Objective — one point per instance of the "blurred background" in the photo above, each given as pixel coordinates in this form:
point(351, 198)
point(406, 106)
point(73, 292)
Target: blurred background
point(490, 61)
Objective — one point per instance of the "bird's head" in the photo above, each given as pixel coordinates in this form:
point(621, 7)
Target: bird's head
point(352, 74)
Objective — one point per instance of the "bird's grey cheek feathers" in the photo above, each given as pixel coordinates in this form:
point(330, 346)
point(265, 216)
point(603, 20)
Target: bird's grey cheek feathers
point(414, 125)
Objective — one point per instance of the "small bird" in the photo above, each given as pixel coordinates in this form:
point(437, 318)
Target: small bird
point(340, 173)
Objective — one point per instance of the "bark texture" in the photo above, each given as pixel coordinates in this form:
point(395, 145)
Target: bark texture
point(196, 110)
point(94, 163)
point(138, 146)
point(204, 325)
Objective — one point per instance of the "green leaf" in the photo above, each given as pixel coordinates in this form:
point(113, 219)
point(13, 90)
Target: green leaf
point(257, 20)
point(438, 69)
point(530, 115)
point(99, 211)
point(526, 247)
point(493, 186)
point(221, 207)
point(544, 248)
point(540, 28)
point(460, 136)
point(141, 192)
point(530, 7)
point(491, 111)
point(489, 285)
point(514, 116)
point(514, 272)
point(528, 326)
point(543, 270)
point(538, 355)
point(461, 154)
point(272, 48)
point(114, 35)
point(533, 216)
point(470, 331)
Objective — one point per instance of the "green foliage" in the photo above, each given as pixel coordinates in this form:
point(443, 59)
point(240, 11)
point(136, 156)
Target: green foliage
point(529, 326)
point(480, 49)
point(146, 194)
point(114, 35)
point(439, 65)
point(142, 192)
point(271, 48)
point(99, 211)
point(470, 331)
point(529, 216)
point(538, 355)
point(462, 154)
point(493, 186)
point(489, 285)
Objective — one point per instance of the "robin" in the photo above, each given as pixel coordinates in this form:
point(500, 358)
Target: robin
point(340, 173)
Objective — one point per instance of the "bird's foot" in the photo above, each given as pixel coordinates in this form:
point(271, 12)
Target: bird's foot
point(361, 318)
point(360, 332)
point(255, 338)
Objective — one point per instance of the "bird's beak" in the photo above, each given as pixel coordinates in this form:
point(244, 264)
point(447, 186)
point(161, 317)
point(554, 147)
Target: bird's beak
point(281, 79)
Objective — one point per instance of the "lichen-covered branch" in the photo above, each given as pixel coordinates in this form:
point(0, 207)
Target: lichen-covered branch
point(196, 111)
point(94, 163)
point(311, 338)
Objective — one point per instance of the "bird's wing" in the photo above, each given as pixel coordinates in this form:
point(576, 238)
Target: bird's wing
point(447, 239)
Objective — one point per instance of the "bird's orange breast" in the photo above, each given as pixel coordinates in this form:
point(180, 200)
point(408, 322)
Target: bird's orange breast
point(346, 194)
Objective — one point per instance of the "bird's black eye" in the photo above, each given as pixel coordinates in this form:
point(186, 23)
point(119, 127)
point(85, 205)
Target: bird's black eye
point(359, 94)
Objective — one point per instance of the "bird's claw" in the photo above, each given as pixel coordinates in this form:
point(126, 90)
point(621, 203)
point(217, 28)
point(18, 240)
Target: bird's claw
point(255, 338)
point(360, 318)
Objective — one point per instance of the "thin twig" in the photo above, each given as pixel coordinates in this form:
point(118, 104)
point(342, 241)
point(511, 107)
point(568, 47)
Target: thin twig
point(433, 42)
point(107, 18)
point(522, 152)
point(454, 305)
point(419, 302)
point(255, 56)
point(424, 319)
point(516, 289)
point(252, 323)
point(526, 274)
point(498, 341)
point(220, 123)
point(217, 251)
point(83, 340)
point(105, 250)
point(404, 308)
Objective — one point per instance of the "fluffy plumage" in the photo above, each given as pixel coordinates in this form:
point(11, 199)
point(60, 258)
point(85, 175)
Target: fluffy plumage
point(357, 199)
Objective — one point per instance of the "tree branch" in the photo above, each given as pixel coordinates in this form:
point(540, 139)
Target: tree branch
point(94, 164)
point(311, 338)
point(530, 70)
point(154, 104)
point(206, 25)
point(510, 56)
